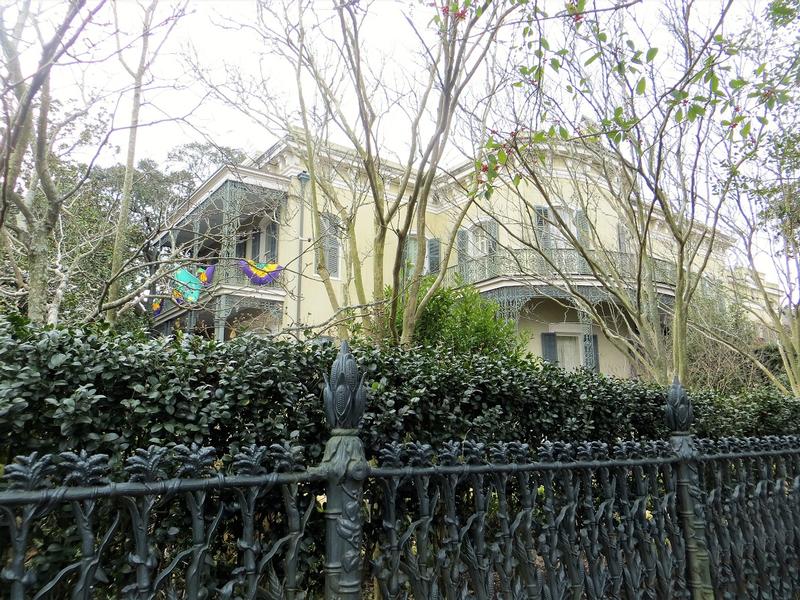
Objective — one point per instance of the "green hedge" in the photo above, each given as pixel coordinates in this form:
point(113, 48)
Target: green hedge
point(90, 389)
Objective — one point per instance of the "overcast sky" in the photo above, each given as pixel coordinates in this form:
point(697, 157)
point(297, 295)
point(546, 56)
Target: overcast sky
point(209, 35)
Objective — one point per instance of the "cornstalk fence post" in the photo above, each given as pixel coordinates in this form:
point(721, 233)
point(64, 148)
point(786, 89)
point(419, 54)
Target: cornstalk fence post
point(344, 398)
point(690, 505)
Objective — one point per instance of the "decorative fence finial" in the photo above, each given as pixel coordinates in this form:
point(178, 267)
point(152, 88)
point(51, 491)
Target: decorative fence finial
point(344, 395)
point(679, 408)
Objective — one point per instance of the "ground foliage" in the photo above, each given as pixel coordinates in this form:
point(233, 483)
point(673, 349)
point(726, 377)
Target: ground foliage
point(100, 391)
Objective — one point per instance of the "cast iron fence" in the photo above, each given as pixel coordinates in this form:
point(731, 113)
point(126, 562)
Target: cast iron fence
point(682, 518)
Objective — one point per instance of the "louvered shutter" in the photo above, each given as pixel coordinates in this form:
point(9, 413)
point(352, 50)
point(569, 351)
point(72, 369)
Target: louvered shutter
point(329, 243)
point(622, 237)
point(434, 255)
point(549, 349)
point(596, 350)
point(272, 242)
point(492, 232)
point(543, 236)
point(583, 231)
point(462, 246)
point(255, 246)
point(332, 246)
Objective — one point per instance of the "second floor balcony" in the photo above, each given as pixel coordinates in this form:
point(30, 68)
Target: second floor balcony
point(555, 264)
point(215, 278)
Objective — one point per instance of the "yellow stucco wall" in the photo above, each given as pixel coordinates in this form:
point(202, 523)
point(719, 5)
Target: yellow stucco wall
point(570, 183)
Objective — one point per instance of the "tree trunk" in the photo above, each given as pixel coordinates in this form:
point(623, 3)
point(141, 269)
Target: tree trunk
point(38, 281)
point(121, 237)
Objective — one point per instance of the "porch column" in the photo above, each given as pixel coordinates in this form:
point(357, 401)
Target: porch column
point(220, 317)
point(231, 210)
point(589, 351)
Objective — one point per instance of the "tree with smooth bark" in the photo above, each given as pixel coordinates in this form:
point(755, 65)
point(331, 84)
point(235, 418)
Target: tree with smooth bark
point(641, 130)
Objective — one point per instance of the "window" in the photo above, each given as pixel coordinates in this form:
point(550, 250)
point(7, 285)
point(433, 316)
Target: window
point(567, 350)
point(241, 245)
point(271, 245)
point(329, 242)
point(433, 255)
point(255, 245)
point(410, 253)
point(484, 238)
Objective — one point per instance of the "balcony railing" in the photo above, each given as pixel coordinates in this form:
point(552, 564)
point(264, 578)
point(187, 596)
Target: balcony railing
point(553, 264)
point(228, 274)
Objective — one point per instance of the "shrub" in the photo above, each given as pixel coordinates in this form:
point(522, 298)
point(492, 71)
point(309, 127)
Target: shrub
point(462, 320)
point(73, 388)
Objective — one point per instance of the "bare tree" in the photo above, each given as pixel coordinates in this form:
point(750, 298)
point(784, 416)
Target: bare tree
point(648, 127)
point(30, 131)
point(343, 89)
point(147, 57)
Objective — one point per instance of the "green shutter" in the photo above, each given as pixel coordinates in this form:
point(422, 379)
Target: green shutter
point(255, 245)
point(492, 233)
point(549, 350)
point(329, 242)
point(462, 246)
point(542, 225)
point(434, 255)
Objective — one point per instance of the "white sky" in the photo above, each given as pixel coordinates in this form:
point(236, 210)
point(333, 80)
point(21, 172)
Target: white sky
point(209, 32)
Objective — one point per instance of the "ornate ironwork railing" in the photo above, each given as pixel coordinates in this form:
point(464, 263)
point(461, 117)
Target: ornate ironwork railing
point(677, 518)
point(551, 264)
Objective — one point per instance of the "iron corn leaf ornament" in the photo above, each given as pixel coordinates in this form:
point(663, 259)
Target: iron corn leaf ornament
point(679, 408)
point(344, 396)
point(29, 472)
point(81, 468)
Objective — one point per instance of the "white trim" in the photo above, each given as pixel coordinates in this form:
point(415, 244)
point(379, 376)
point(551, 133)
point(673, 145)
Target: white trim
point(567, 328)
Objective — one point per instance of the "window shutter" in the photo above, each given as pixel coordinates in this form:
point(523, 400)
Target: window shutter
point(330, 243)
point(582, 229)
point(492, 232)
point(549, 351)
point(596, 350)
point(462, 246)
point(255, 245)
point(332, 257)
point(332, 247)
point(241, 247)
point(272, 242)
point(543, 237)
point(434, 255)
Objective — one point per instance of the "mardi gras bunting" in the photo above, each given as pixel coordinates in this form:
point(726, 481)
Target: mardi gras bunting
point(260, 273)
